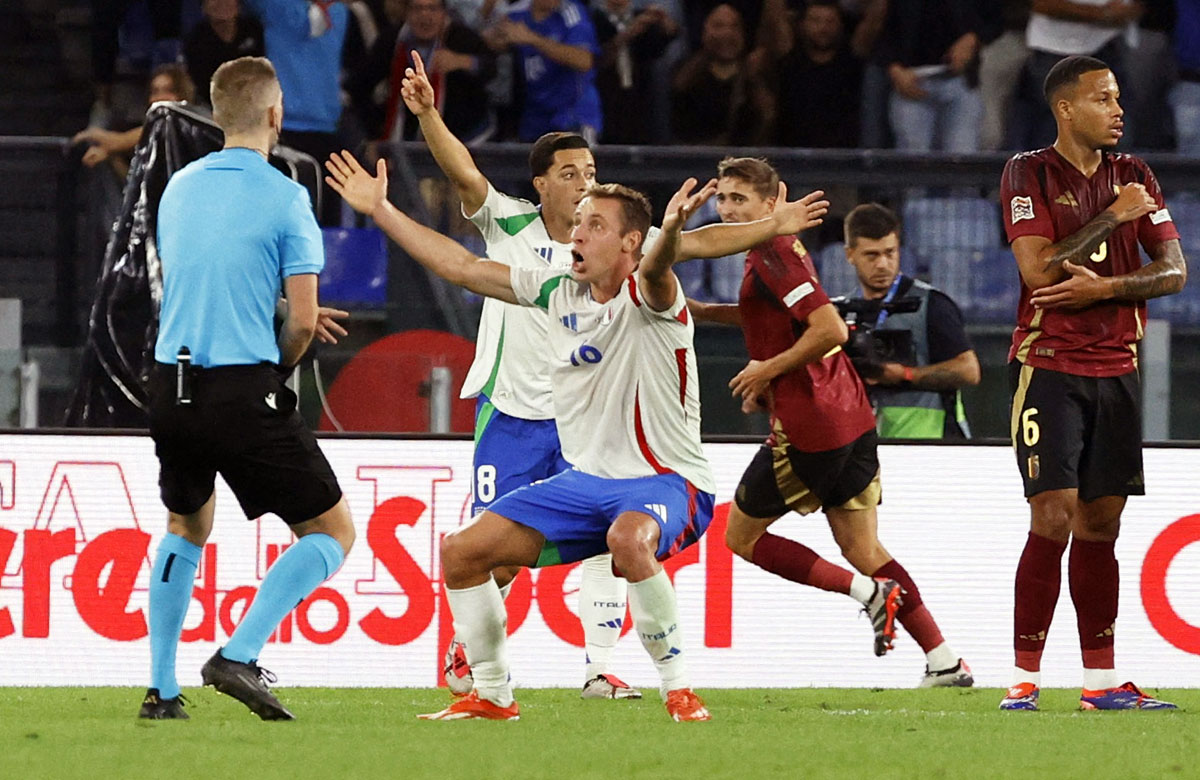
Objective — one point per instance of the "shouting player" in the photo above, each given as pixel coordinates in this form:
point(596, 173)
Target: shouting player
point(624, 384)
point(821, 453)
point(1075, 214)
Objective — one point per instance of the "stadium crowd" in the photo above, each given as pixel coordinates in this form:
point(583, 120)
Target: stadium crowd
point(951, 75)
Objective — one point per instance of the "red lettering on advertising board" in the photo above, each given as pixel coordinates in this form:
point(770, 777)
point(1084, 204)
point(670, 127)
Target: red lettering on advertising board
point(42, 548)
point(8, 540)
point(105, 607)
point(381, 537)
point(1163, 550)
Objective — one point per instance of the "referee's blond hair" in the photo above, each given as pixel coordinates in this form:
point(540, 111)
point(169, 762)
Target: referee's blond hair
point(242, 91)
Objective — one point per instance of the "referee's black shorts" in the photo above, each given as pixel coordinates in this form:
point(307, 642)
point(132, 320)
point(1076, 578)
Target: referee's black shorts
point(243, 425)
point(1079, 432)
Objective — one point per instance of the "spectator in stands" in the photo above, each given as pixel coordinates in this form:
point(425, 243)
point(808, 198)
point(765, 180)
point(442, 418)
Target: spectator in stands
point(1150, 71)
point(1185, 95)
point(630, 42)
point(867, 20)
point(1002, 60)
point(459, 64)
point(819, 83)
point(167, 82)
point(107, 18)
point(1058, 28)
point(308, 42)
point(555, 47)
point(915, 395)
point(930, 51)
point(719, 95)
point(223, 34)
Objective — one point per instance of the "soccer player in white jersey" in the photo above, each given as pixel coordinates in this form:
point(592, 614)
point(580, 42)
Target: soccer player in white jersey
point(516, 440)
point(624, 385)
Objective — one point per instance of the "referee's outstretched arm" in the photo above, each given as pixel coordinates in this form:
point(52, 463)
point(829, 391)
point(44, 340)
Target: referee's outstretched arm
point(443, 256)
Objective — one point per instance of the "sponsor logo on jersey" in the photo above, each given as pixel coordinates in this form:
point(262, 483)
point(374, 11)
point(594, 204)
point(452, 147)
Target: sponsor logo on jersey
point(544, 252)
point(570, 321)
point(658, 509)
point(1021, 207)
point(1067, 199)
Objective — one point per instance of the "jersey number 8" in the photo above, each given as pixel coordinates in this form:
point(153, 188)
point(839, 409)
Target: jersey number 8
point(485, 483)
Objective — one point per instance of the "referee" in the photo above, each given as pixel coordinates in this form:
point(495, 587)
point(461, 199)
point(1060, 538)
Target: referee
point(231, 231)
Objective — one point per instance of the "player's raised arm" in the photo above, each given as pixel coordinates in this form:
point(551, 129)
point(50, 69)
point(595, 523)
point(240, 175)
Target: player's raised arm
point(788, 218)
point(451, 154)
point(656, 281)
point(441, 255)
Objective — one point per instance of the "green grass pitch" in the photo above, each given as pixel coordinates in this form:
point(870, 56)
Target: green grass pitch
point(795, 733)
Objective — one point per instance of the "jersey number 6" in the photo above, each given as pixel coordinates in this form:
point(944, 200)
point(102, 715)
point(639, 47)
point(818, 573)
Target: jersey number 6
point(1030, 430)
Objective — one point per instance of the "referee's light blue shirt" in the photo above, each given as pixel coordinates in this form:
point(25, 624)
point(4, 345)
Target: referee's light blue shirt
point(230, 229)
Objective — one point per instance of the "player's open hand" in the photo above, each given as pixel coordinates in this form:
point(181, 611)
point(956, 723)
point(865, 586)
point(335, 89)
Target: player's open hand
point(798, 215)
point(752, 382)
point(361, 190)
point(415, 89)
point(1133, 202)
point(684, 202)
point(328, 328)
point(1082, 288)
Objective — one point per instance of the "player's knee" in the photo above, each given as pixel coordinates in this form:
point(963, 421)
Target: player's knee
point(1054, 515)
point(741, 540)
point(629, 544)
point(865, 554)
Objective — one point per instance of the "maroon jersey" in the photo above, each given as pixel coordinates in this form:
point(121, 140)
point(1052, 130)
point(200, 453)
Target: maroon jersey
point(822, 405)
point(1044, 195)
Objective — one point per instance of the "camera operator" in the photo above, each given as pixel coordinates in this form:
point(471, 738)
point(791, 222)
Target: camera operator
point(909, 341)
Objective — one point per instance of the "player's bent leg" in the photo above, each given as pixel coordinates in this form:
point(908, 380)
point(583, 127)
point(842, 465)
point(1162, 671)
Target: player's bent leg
point(603, 598)
point(882, 597)
point(633, 539)
point(469, 554)
point(171, 581)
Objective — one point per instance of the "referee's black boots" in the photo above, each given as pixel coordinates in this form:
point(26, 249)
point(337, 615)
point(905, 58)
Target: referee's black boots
point(246, 682)
point(154, 707)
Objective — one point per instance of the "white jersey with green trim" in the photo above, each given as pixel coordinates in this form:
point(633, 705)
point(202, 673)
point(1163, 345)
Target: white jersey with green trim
point(510, 364)
point(510, 355)
point(624, 376)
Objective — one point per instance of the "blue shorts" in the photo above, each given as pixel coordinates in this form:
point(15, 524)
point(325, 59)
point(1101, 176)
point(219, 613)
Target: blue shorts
point(573, 511)
point(510, 453)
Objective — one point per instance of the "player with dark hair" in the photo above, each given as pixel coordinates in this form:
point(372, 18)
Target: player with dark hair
point(821, 453)
point(516, 441)
point(1075, 213)
point(231, 231)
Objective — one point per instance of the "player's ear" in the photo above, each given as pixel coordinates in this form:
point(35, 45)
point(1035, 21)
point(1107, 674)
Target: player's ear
point(539, 184)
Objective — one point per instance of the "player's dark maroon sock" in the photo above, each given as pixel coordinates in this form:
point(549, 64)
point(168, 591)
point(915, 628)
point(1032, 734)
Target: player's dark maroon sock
point(793, 561)
point(1094, 576)
point(1039, 579)
point(913, 614)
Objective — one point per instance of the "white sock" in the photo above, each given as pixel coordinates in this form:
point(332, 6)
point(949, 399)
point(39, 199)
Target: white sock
point(481, 623)
point(941, 657)
point(1022, 676)
point(656, 620)
point(862, 588)
point(504, 591)
point(1099, 679)
point(602, 600)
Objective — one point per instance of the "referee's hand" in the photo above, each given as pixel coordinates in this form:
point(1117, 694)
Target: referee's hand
point(328, 330)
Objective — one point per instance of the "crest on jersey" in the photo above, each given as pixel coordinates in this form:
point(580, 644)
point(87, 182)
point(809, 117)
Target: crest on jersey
point(1021, 207)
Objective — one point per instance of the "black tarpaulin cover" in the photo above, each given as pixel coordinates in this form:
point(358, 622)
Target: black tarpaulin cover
point(123, 325)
